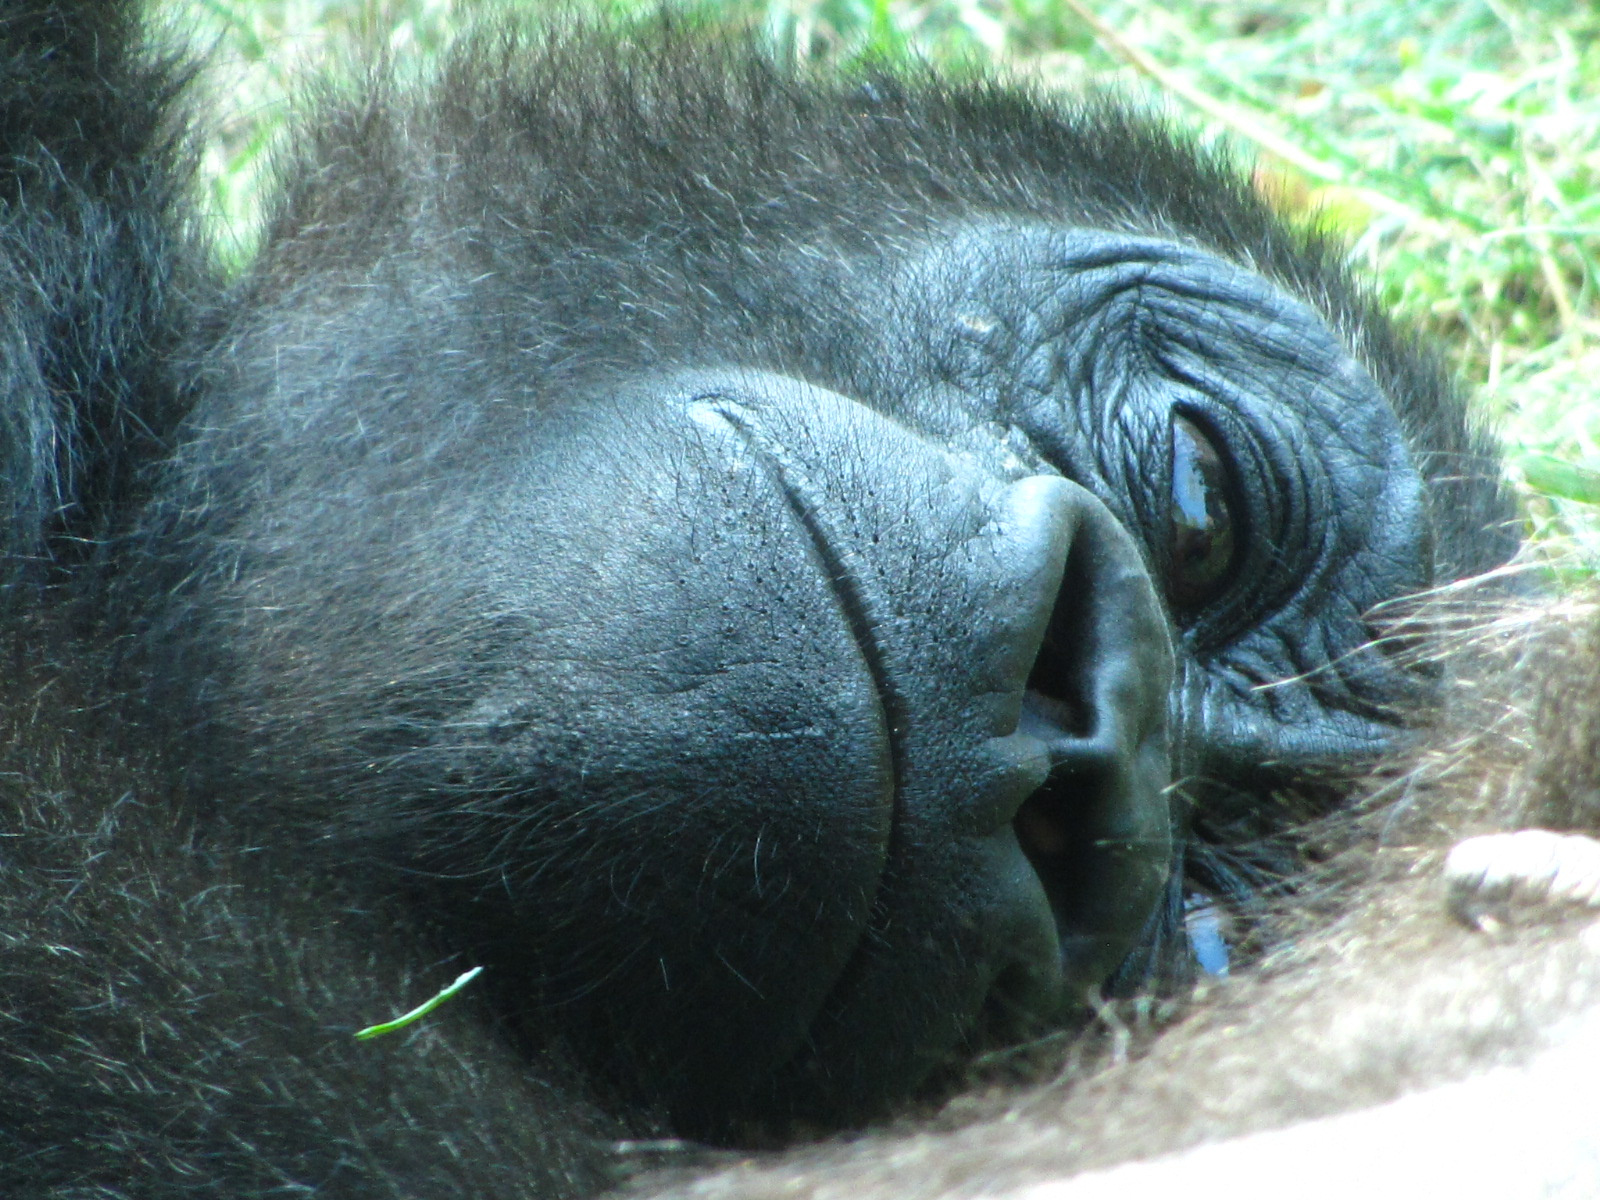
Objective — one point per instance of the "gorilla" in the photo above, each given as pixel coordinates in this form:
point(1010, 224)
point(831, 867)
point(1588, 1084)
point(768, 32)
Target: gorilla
point(801, 576)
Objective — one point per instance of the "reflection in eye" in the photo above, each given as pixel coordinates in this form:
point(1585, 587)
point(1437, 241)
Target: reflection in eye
point(1200, 520)
point(1206, 923)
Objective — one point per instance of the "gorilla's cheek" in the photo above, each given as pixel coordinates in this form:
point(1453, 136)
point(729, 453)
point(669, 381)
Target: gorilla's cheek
point(776, 697)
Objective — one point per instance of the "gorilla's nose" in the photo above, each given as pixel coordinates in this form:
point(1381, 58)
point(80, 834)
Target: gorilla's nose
point(1019, 650)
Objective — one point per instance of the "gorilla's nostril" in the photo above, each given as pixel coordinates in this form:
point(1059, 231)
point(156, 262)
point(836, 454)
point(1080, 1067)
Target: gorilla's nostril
point(1041, 830)
point(1030, 539)
point(1055, 825)
point(1057, 675)
point(1052, 718)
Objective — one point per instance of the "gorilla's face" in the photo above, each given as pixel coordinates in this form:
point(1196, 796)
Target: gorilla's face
point(791, 662)
point(874, 702)
point(792, 717)
point(797, 658)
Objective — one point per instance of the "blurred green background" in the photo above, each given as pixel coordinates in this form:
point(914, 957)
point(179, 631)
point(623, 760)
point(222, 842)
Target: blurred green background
point(1455, 144)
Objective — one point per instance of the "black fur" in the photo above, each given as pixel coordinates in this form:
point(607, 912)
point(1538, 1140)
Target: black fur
point(607, 537)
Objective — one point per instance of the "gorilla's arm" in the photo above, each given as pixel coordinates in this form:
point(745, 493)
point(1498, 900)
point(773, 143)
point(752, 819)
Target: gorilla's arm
point(96, 278)
point(87, 227)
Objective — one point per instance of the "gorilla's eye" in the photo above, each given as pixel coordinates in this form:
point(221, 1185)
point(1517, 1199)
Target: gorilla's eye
point(1200, 520)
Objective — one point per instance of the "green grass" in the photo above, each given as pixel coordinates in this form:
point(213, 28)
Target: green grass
point(1455, 144)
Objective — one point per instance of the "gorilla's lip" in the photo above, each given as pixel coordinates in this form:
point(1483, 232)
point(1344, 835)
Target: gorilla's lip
point(730, 415)
point(735, 417)
point(842, 582)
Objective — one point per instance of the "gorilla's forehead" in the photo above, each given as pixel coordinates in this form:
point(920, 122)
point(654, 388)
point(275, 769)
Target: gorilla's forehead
point(1023, 317)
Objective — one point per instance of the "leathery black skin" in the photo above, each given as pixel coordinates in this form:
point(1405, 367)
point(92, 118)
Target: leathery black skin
point(795, 574)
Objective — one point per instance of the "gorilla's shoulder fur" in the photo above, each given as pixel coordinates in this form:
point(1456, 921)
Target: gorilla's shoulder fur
point(168, 1004)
